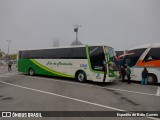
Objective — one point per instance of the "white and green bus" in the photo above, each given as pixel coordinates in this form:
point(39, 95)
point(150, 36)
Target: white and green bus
point(96, 63)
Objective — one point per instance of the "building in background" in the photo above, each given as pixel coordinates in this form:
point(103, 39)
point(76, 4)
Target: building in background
point(56, 42)
point(76, 43)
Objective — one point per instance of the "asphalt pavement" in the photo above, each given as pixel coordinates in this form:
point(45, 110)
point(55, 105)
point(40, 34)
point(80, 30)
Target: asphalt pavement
point(21, 92)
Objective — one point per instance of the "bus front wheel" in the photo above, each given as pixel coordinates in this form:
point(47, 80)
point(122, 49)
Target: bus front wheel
point(81, 76)
point(31, 72)
point(151, 79)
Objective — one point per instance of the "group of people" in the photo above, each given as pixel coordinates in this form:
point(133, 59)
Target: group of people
point(126, 71)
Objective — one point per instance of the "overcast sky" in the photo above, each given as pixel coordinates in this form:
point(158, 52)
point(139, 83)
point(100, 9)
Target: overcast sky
point(119, 23)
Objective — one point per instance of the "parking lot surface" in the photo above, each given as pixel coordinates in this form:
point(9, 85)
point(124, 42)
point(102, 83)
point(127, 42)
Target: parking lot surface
point(21, 92)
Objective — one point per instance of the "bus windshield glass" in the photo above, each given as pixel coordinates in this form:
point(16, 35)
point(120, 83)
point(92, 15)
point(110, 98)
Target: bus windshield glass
point(112, 58)
point(132, 56)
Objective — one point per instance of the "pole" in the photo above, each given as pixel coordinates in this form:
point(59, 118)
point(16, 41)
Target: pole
point(9, 41)
point(76, 30)
point(77, 36)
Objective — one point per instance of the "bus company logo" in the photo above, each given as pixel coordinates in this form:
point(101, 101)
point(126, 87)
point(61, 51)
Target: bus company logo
point(59, 63)
point(98, 76)
point(83, 65)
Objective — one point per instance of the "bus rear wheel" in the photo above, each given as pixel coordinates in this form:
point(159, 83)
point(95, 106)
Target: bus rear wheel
point(31, 72)
point(81, 76)
point(151, 79)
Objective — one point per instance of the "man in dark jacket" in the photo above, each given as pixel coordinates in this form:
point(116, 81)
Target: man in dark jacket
point(122, 72)
point(144, 76)
point(9, 66)
point(128, 73)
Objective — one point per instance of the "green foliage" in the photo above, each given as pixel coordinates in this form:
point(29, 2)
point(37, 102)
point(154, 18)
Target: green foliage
point(13, 56)
point(1, 53)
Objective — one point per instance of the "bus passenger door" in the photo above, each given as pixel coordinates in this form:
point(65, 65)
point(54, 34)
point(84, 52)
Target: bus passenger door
point(97, 58)
point(105, 70)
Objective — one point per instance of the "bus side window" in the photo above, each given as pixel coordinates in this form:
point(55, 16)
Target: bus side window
point(78, 53)
point(24, 55)
point(153, 54)
point(20, 55)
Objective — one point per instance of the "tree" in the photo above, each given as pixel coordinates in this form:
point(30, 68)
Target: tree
point(1, 53)
point(13, 56)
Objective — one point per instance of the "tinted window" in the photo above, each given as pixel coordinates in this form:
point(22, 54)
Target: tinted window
point(111, 52)
point(153, 54)
point(96, 57)
point(112, 58)
point(54, 54)
point(133, 57)
point(23, 54)
point(119, 53)
point(79, 53)
point(35, 54)
point(65, 53)
point(20, 54)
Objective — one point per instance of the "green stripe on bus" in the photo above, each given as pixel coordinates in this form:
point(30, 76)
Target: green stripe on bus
point(50, 70)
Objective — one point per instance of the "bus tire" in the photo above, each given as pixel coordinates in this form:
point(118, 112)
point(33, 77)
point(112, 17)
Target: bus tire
point(151, 79)
point(81, 76)
point(31, 72)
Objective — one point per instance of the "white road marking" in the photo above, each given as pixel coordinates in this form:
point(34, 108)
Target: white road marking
point(145, 85)
point(62, 96)
point(158, 91)
point(109, 88)
point(8, 74)
point(70, 98)
point(3, 76)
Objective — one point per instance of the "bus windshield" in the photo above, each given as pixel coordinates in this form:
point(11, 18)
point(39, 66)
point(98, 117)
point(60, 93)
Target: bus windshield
point(132, 56)
point(112, 58)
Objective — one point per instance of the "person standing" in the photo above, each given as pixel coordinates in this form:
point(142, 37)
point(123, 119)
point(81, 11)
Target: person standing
point(120, 71)
point(105, 70)
point(121, 62)
point(123, 73)
point(9, 66)
point(144, 76)
point(128, 72)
